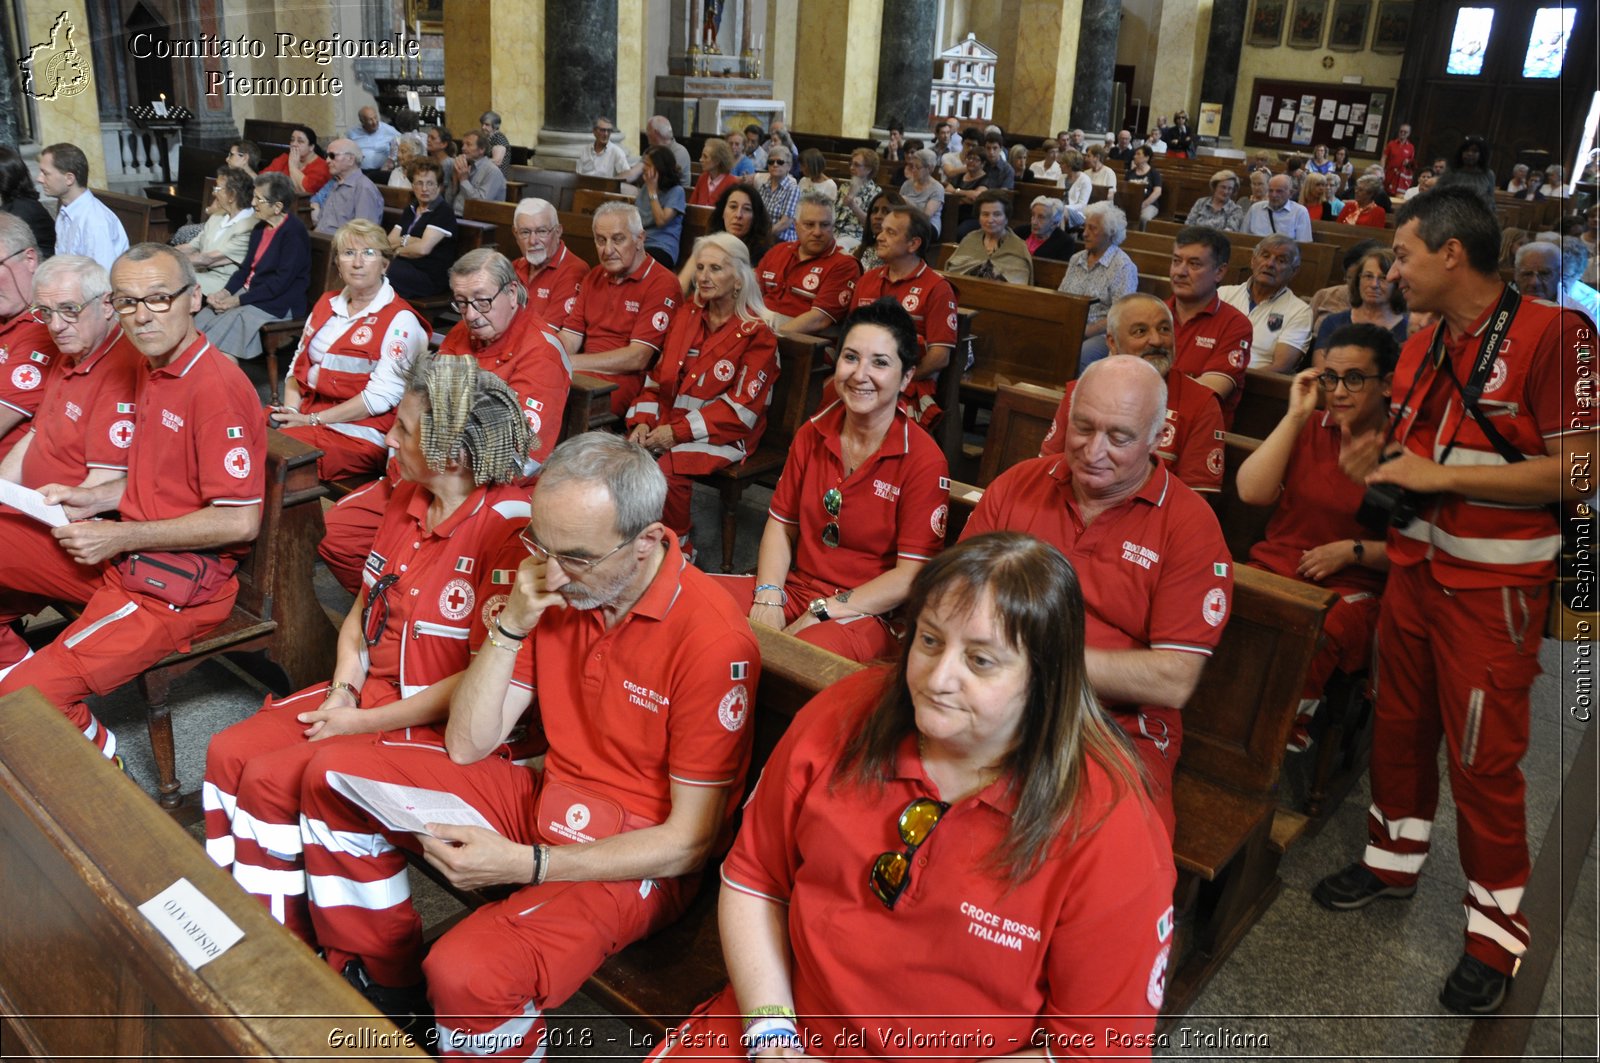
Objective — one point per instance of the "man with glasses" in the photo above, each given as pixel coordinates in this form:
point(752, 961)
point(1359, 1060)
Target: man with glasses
point(603, 158)
point(1280, 321)
point(27, 357)
point(510, 340)
point(781, 193)
point(350, 195)
point(1156, 574)
point(190, 504)
point(624, 307)
point(1553, 272)
point(1314, 535)
point(84, 225)
point(1211, 340)
point(1191, 439)
point(547, 269)
point(645, 672)
point(811, 281)
point(79, 437)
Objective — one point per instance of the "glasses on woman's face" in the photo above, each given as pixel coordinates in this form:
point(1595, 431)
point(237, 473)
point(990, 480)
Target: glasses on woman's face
point(375, 614)
point(1353, 380)
point(156, 303)
point(832, 502)
point(365, 254)
point(891, 871)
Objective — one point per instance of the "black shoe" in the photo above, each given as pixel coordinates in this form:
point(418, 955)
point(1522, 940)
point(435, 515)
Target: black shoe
point(1474, 988)
point(407, 1007)
point(1356, 887)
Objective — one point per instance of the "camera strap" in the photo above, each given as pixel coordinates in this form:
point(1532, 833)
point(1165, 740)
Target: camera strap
point(1472, 390)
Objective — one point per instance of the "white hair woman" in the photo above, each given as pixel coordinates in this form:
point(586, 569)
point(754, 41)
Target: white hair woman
point(704, 401)
point(1101, 272)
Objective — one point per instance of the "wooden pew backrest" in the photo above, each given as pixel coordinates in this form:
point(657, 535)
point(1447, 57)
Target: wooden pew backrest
point(1022, 417)
point(1024, 333)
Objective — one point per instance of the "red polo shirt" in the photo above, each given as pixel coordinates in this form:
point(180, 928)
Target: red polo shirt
point(1216, 340)
point(27, 358)
point(201, 438)
point(792, 287)
point(553, 289)
point(529, 357)
point(86, 418)
point(612, 312)
point(1191, 440)
point(895, 505)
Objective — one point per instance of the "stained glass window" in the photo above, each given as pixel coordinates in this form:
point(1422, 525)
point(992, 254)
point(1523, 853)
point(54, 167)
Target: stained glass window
point(1470, 41)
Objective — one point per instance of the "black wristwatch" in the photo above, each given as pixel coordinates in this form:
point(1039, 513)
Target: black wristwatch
point(819, 608)
point(1358, 549)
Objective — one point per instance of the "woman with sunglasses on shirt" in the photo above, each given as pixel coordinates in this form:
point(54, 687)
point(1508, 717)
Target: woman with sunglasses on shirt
point(969, 810)
point(861, 504)
point(349, 370)
point(429, 598)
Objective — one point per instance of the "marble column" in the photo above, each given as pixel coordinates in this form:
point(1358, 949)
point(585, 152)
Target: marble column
point(905, 63)
point(10, 95)
point(580, 79)
point(1221, 78)
point(1092, 86)
point(213, 125)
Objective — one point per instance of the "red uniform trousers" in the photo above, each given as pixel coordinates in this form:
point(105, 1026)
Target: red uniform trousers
point(118, 636)
point(678, 512)
point(1346, 644)
point(351, 526)
point(342, 456)
point(491, 976)
point(860, 638)
point(1456, 664)
point(34, 571)
point(251, 797)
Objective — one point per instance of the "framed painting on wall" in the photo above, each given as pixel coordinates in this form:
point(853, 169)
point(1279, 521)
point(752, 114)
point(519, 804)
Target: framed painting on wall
point(1305, 27)
point(1266, 23)
point(1347, 31)
point(426, 15)
point(1394, 26)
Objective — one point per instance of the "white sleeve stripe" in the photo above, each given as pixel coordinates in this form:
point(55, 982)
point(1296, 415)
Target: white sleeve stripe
point(100, 465)
point(234, 502)
point(1182, 647)
point(781, 519)
point(701, 782)
point(752, 892)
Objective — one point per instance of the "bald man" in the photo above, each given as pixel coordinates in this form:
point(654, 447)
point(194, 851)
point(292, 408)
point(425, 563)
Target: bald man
point(350, 195)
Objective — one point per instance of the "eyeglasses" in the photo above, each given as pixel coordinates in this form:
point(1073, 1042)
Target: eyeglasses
point(480, 305)
point(350, 254)
point(776, 162)
point(68, 312)
point(1353, 381)
point(375, 614)
point(891, 871)
point(1374, 278)
point(576, 567)
point(832, 502)
point(158, 303)
point(603, 129)
point(542, 232)
point(14, 254)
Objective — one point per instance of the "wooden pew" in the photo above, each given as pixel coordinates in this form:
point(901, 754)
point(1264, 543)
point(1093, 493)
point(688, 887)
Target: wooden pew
point(1263, 404)
point(1152, 252)
point(1048, 273)
point(277, 335)
point(1023, 414)
point(588, 200)
point(84, 974)
point(798, 356)
point(1024, 334)
point(142, 219)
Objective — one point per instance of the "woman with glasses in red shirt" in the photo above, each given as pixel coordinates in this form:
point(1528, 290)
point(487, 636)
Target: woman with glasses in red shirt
point(429, 598)
point(970, 809)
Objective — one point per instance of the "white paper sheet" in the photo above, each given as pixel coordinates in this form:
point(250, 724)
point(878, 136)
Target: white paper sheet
point(407, 808)
point(30, 502)
point(195, 926)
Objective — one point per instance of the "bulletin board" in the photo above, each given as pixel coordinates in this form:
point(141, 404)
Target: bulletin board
point(1294, 115)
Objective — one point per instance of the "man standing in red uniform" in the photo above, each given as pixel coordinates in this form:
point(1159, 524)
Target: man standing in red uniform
point(624, 306)
point(79, 437)
point(1399, 159)
point(1460, 624)
point(1191, 440)
point(1212, 339)
point(193, 492)
point(925, 295)
point(27, 357)
point(645, 672)
point(547, 268)
point(1157, 578)
point(811, 281)
point(510, 340)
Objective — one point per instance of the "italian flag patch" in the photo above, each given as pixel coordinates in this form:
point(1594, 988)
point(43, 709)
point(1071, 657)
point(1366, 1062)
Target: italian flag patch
point(40, 357)
point(738, 669)
point(235, 433)
point(1219, 569)
point(124, 407)
point(464, 564)
point(503, 576)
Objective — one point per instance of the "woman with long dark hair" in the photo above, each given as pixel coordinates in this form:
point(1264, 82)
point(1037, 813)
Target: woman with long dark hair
point(20, 196)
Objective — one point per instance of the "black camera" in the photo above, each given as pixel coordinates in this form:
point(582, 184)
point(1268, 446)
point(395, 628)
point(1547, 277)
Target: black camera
point(1390, 505)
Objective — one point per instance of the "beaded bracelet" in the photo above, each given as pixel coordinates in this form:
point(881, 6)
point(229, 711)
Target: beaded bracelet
point(765, 1011)
point(497, 644)
point(783, 595)
point(338, 685)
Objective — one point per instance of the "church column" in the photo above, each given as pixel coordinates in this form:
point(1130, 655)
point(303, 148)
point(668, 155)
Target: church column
point(1221, 78)
point(71, 116)
point(213, 125)
point(1179, 59)
point(1097, 60)
point(905, 64)
point(494, 51)
point(579, 50)
point(10, 95)
point(835, 90)
point(1038, 51)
